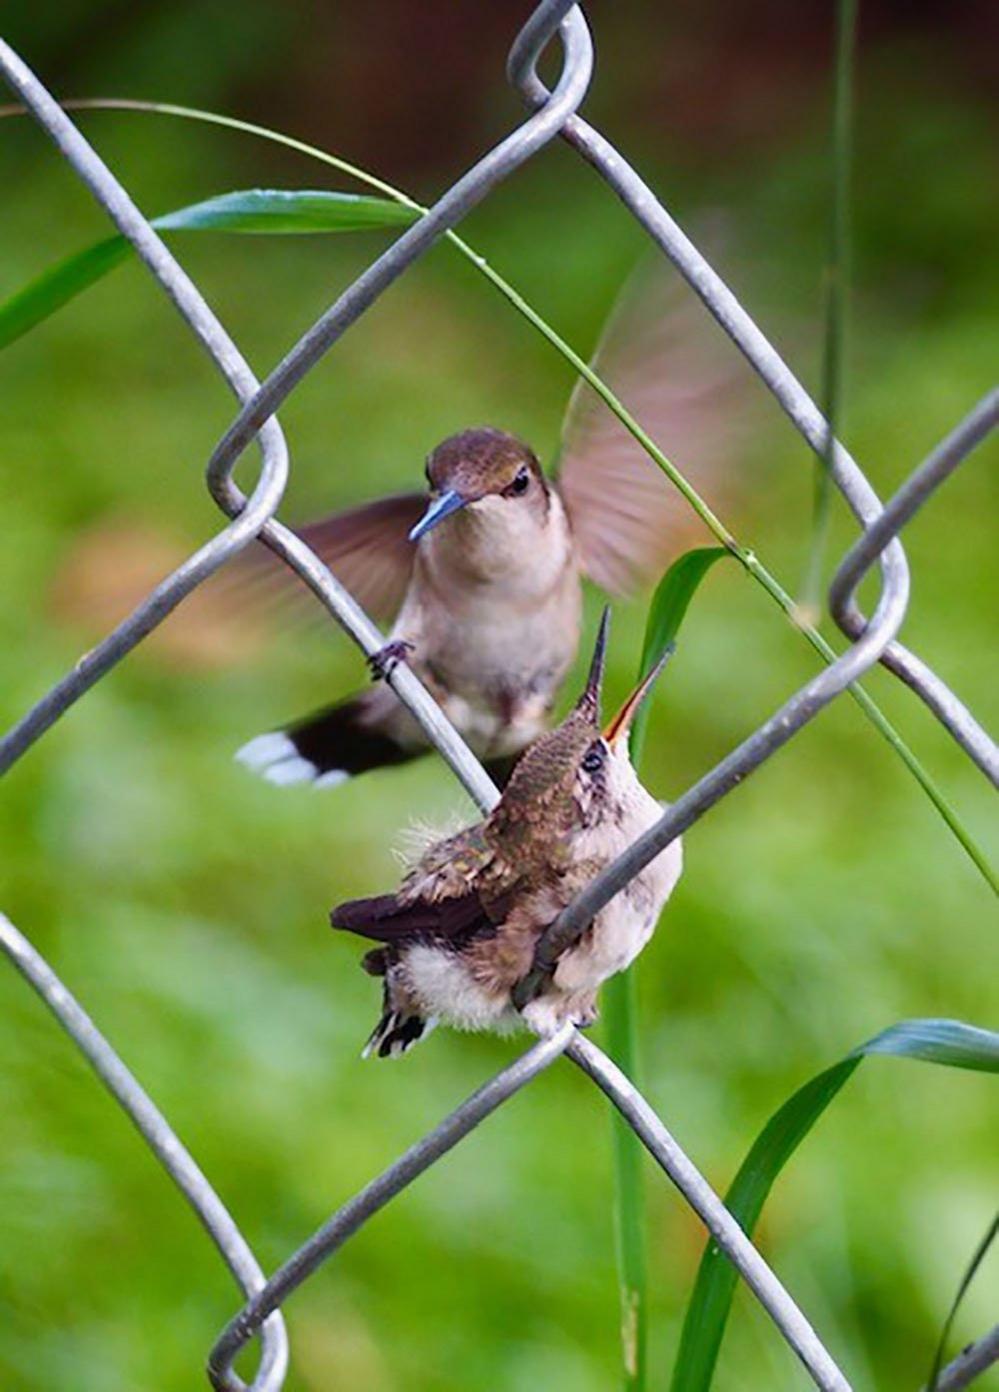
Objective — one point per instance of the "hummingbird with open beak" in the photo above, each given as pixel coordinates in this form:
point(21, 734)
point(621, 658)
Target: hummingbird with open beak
point(461, 931)
point(483, 571)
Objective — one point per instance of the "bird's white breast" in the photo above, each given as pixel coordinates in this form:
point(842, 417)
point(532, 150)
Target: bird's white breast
point(625, 925)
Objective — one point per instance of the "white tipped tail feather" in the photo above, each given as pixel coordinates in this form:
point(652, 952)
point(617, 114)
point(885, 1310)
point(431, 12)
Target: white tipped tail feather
point(396, 1033)
point(334, 744)
point(275, 758)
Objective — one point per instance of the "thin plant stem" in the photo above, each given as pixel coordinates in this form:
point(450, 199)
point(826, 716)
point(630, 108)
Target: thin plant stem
point(978, 1257)
point(837, 290)
point(620, 1012)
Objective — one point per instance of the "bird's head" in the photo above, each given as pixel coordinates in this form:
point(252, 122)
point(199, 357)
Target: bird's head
point(578, 774)
point(481, 469)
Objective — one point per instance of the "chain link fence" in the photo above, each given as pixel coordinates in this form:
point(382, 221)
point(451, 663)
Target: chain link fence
point(553, 114)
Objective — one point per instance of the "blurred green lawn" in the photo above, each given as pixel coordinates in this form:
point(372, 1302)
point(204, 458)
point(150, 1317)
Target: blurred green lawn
point(186, 903)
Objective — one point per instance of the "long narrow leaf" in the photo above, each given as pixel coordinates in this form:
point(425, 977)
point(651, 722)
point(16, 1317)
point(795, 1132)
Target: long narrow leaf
point(58, 285)
point(669, 605)
point(620, 1004)
point(288, 210)
point(933, 1041)
point(248, 211)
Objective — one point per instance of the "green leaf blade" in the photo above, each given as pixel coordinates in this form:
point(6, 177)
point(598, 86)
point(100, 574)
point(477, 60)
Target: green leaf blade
point(711, 1299)
point(255, 211)
point(666, 613)
point(620, 1006)
point(57, 286)
point(948, 1042)
point(287, 210)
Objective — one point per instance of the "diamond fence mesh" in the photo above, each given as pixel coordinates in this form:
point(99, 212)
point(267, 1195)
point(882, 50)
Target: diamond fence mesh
point(873, 640)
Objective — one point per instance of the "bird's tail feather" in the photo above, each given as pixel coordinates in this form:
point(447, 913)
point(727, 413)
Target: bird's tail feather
point(326, 748)
point(397, 1032)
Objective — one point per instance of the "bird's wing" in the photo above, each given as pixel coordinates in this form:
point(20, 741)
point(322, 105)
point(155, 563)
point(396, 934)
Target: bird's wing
point(449, 865)
point(439, 899)
point(672, 368)
point(390, 918)
point(367, 548)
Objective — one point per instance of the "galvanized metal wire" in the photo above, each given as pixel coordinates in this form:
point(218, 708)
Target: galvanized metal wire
point(553, 113)
point(161, 1139)
point(918, 487)
point(970, 1363)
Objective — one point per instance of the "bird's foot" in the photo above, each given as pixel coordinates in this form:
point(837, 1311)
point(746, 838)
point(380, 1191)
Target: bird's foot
point(383, 662)
point(545, 1015)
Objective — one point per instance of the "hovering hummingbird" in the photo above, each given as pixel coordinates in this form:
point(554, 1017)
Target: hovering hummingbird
point(482, 573)
point(462, 929)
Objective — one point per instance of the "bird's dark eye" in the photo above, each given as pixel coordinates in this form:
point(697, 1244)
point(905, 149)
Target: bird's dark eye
point(519, 485)
point(593, 759)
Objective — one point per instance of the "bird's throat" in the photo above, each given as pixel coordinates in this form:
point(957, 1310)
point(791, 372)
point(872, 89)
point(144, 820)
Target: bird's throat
point(523, 548)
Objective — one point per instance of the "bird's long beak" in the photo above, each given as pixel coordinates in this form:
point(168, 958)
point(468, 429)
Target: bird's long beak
point(589, 702)
point(617, 729)
point(448, 502)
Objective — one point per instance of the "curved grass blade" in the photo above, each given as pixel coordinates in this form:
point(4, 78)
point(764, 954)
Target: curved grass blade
point(248, 211)
point(666, 612)
point(288, 210)
point(966, 1280)
point(620, 1004)
point(58, 285)
point(746, 557)
point(948, 1042)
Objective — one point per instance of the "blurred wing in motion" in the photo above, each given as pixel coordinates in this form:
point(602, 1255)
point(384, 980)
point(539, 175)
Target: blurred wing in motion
point(367, 549)
point(672, 367)
point(106, 570)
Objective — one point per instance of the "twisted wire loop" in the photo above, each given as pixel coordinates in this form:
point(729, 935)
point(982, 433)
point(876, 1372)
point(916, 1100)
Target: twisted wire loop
point(921, 483)
point(374, 1196)
point(873, 637)
point(156, 1131)
point(552, 16)
point(223, 352)
point(804, 414)
point(553, 113)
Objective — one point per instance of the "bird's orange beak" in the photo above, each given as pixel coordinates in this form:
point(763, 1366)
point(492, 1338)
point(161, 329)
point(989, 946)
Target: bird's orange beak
point(617, 729)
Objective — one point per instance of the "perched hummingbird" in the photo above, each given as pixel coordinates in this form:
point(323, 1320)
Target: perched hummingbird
point(483, 572)
point(462, 929)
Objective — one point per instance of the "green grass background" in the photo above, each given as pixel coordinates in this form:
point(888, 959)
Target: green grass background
point(186, 903)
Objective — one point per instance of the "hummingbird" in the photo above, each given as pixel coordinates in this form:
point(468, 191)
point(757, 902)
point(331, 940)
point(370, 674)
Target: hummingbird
point(461, 931)
point(483, 571)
